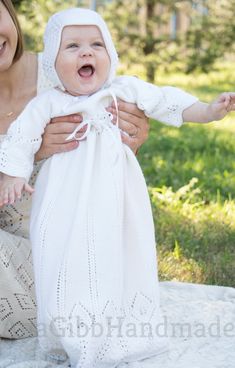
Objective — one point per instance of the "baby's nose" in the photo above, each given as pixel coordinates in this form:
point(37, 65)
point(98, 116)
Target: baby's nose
point(86, 51)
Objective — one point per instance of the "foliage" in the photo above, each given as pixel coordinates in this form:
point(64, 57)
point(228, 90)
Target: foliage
point(143, 33)
point(190, 175)
point(33, 16)
point(211, 34)
point(137, 32)
point(17, 3)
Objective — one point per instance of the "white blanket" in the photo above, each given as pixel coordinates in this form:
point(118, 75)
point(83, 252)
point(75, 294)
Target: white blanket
point(199, 320)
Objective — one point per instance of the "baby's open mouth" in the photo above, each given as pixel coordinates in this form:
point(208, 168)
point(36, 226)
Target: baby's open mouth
point(86, 70)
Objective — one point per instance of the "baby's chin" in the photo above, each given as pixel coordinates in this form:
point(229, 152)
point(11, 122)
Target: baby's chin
point(80, 92)
point(86, 90)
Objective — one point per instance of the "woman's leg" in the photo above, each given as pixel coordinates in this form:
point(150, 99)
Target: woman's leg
point(17, 297)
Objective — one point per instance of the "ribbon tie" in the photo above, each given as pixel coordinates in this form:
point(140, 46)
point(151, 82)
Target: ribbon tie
point(95, 122)
point(100, 122)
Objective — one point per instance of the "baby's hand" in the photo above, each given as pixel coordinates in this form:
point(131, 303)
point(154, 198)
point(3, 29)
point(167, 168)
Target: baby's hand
point(223, 104)
point(11, 188)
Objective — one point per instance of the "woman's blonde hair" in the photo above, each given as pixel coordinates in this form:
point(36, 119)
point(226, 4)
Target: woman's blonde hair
point(20, 44)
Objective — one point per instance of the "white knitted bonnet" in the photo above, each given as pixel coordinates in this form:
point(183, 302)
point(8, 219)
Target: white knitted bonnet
point(52, 38)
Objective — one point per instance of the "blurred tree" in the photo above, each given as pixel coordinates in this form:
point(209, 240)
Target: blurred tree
point(211, 34)
point(33, 15)
point(140, 29)
point(143, 32)
point(16, 3)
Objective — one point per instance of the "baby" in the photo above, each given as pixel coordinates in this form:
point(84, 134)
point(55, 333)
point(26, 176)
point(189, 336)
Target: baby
point(92, 231)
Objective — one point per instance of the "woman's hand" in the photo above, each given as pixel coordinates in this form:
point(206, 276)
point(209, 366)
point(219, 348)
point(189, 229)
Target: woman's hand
point(133, 122)
point(55, 134)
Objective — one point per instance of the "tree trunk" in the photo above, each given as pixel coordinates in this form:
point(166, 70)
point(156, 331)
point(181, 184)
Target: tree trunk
point(150, 72)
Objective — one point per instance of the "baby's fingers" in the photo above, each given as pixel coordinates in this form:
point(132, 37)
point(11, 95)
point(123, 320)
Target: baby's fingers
point(2, 194)
point(28, 188)
point(231, 105)
point(228, 99)
point(11, 195)
point(4, 197)
point(18, 190)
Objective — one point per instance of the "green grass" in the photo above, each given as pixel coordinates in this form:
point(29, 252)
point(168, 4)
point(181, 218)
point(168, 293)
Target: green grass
point(195, 218)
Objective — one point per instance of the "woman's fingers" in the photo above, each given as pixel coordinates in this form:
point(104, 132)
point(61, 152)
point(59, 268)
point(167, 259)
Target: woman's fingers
point(54, 137)
point(127, 122)
point(57, 138)
point(129, 107)
point(50, 149)
point(60, 128)
point(132, 142)
point(129, 128)
point(132, 122)
point(74, 118)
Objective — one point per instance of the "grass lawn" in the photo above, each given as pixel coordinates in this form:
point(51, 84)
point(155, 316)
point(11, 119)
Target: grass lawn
point(191, 177)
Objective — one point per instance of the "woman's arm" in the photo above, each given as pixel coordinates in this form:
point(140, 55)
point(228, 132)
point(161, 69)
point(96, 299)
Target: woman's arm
point(131, 120)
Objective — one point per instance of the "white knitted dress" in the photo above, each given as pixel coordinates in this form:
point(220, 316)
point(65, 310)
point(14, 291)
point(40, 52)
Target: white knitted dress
point(92, 230)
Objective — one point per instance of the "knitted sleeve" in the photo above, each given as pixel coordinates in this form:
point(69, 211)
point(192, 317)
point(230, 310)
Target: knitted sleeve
point(24, 137)
point(165, 104)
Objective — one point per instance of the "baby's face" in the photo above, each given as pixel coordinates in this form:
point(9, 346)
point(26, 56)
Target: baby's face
point(82, 63)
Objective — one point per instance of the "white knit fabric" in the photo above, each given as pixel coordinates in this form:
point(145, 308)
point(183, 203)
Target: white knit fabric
point(52, 38)
point(92, 229)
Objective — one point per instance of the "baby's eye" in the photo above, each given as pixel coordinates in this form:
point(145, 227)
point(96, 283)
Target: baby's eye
point(98, 44)
point(72, 45)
